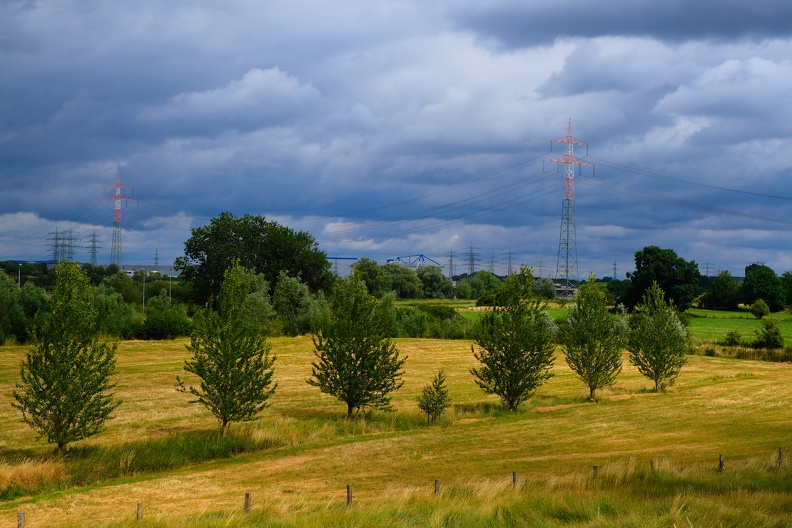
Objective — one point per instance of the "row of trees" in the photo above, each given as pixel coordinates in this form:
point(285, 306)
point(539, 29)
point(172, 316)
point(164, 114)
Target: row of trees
point(63, 392)
point(760, 283)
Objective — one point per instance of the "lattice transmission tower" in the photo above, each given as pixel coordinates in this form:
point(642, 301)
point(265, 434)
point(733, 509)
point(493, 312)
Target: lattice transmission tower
point(94, 247)
point(115, 248)
point(567, 264)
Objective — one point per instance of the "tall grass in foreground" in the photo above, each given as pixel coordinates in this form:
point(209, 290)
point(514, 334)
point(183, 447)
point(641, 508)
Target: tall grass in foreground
point(92, 464)
point(757, 495)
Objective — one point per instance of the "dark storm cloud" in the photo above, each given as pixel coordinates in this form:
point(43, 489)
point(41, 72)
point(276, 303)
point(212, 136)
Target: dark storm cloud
point(393, 128)
point(527, 24)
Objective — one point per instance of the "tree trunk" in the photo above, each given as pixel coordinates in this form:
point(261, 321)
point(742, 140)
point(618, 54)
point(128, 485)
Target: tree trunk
point(591, 393)
point(223, 428)
point(350, 411)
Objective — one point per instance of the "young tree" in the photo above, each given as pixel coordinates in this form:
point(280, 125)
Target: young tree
point(593, 338)
point(65, 379)
point(657, 338)
point(434, 399)
point(356, 362)
point(515, 351)
point(231, 355)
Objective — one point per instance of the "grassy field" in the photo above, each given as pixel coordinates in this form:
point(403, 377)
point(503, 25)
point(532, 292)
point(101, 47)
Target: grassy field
point(304, 453)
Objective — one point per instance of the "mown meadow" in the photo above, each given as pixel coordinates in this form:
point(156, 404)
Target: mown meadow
point(298, 457)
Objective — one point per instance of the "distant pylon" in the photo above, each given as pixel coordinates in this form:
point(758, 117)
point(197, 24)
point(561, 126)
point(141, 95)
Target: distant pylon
point(115, 248)
point(567, 264)
point(94, 247)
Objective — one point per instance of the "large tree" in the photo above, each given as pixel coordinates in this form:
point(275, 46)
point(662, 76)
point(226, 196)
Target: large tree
point(435, 284)
point(761, 282)
point(657, 339)
point(355, 360)
point(404, 281)
point(593, 338)
point(265, 247)
point(724, 293)
point(677, 277)
point(63, 393)
point(230, 355)
point(515, 350)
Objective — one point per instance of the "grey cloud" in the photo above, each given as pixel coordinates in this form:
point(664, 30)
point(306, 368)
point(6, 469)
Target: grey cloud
point(528, 24)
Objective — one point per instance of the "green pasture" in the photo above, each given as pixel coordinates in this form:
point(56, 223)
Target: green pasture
point(298, 457)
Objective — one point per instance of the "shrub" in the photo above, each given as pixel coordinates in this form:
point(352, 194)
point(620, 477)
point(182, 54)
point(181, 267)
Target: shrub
point(732, 338)
point(769, 336)
point(760, 309)
point(412, 322)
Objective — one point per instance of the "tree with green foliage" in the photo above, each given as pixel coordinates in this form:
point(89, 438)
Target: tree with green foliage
point(786, 285)
point(516, 288)
point(165, 319)
point(367, 270)
point(230, 355)
point(481, 285)
point(257, 302)
point(769, 336)
point(115, 317)
point(724, 293)
point(544, 288)
point(435, 284)
point(759, 309)
point(677, 277)
point(593, 338)
point(434, 399)
point(515, 350)
point(657, 339)
point(403, 280)
point(355, 360)
point(12, 316)
point(263, 246)
point(63, 392)
point(292, 300)
point(761, 282)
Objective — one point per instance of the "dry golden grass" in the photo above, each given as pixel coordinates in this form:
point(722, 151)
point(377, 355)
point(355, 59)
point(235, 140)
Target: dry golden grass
point(739, 408)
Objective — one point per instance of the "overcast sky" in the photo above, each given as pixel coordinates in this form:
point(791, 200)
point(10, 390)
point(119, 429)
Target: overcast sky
point(399, 128)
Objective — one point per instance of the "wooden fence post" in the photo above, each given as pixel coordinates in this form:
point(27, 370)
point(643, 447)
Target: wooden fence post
point(780, 456)
point(248, 502)
point(515, 478)
point(596, 471)
point(20, 519)
point(139, 511)
point(653, 464)
point(349, 494)
point(437, 486)
point(721, 464)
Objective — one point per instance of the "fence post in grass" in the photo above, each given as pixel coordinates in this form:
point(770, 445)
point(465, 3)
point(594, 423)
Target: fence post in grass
point(721, 463)
point(349, 494)
point(20, 519)
point(780, 457)
point(139, 511)
point(515, 479)
point(248, 502)
point(437, 486)
point(653, 464)
point(596, 471)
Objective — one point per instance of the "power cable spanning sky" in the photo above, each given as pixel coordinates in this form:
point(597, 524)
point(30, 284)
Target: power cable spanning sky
point(401, 127)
